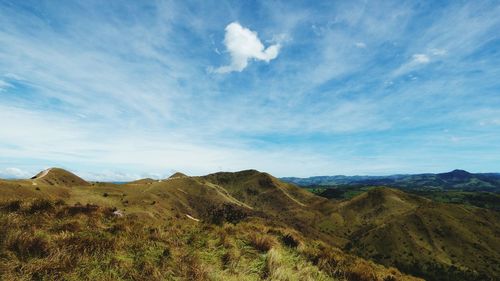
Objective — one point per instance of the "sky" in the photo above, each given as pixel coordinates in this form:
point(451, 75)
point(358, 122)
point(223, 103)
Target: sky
point(119, 90)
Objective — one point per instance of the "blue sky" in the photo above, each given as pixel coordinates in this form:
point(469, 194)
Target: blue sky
point(126, 89)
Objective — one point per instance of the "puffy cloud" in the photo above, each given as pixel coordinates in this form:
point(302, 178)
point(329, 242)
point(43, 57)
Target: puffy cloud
point(421, 58)
point(243, 45)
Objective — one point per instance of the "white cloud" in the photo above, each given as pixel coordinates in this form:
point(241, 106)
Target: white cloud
point(361, 45)
point(421, 58)
point(14, 173)
point(4, 85)
point(243, 45)
point(438, 52)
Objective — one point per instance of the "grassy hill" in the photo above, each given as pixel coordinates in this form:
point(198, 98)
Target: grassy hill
point(246, 225)
point(60, 177)
point(429, 239)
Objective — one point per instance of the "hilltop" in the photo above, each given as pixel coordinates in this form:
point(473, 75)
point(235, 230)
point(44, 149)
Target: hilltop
point(247, 223)
point(58, 177)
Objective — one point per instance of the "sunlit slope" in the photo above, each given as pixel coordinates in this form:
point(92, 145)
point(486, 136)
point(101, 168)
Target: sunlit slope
point(282, 202)
point(433, 240)
point(261, 190)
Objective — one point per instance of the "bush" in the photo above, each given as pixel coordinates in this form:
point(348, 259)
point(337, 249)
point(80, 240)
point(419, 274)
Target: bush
point(218, 214)
point(41, 205)
point(27, 245)
point(11, 206)
point(80, 209)
point(290, 240)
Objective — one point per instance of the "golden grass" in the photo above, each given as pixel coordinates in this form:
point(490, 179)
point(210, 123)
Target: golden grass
point(49, 240)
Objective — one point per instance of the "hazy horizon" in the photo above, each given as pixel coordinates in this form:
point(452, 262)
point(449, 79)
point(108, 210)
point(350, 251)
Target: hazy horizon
point(123, 177)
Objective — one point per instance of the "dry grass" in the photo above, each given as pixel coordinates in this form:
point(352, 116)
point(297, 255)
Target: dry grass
point(262, 242)
point(49, 240)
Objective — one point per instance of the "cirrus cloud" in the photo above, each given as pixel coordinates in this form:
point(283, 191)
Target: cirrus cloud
point(420, 58)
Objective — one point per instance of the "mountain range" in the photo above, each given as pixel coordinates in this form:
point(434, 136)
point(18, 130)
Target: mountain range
point(454, 180)
point(245, 225)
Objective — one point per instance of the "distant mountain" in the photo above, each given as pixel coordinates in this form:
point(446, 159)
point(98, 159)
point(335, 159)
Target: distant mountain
point(454, 180)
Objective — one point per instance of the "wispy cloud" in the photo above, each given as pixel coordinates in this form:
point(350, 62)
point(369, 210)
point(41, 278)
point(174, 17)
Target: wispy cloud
point(4, 85)
point(420, 59)
point(356, 83)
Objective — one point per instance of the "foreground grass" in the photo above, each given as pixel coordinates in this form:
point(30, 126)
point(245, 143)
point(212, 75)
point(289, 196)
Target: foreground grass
point(50, 240)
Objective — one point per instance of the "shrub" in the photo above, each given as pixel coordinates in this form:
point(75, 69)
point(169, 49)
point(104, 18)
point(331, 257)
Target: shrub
point(218, 214)
point(27, 245)
point(11, 206)
point(80, 209)
point(41, 205)
point(290, 240)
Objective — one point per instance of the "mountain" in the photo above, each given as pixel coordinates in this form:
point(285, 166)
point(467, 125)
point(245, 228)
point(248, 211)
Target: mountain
point(243, 225)
point(454, 180)
point(143, 181)
point(58, 177)
point(177, 175)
